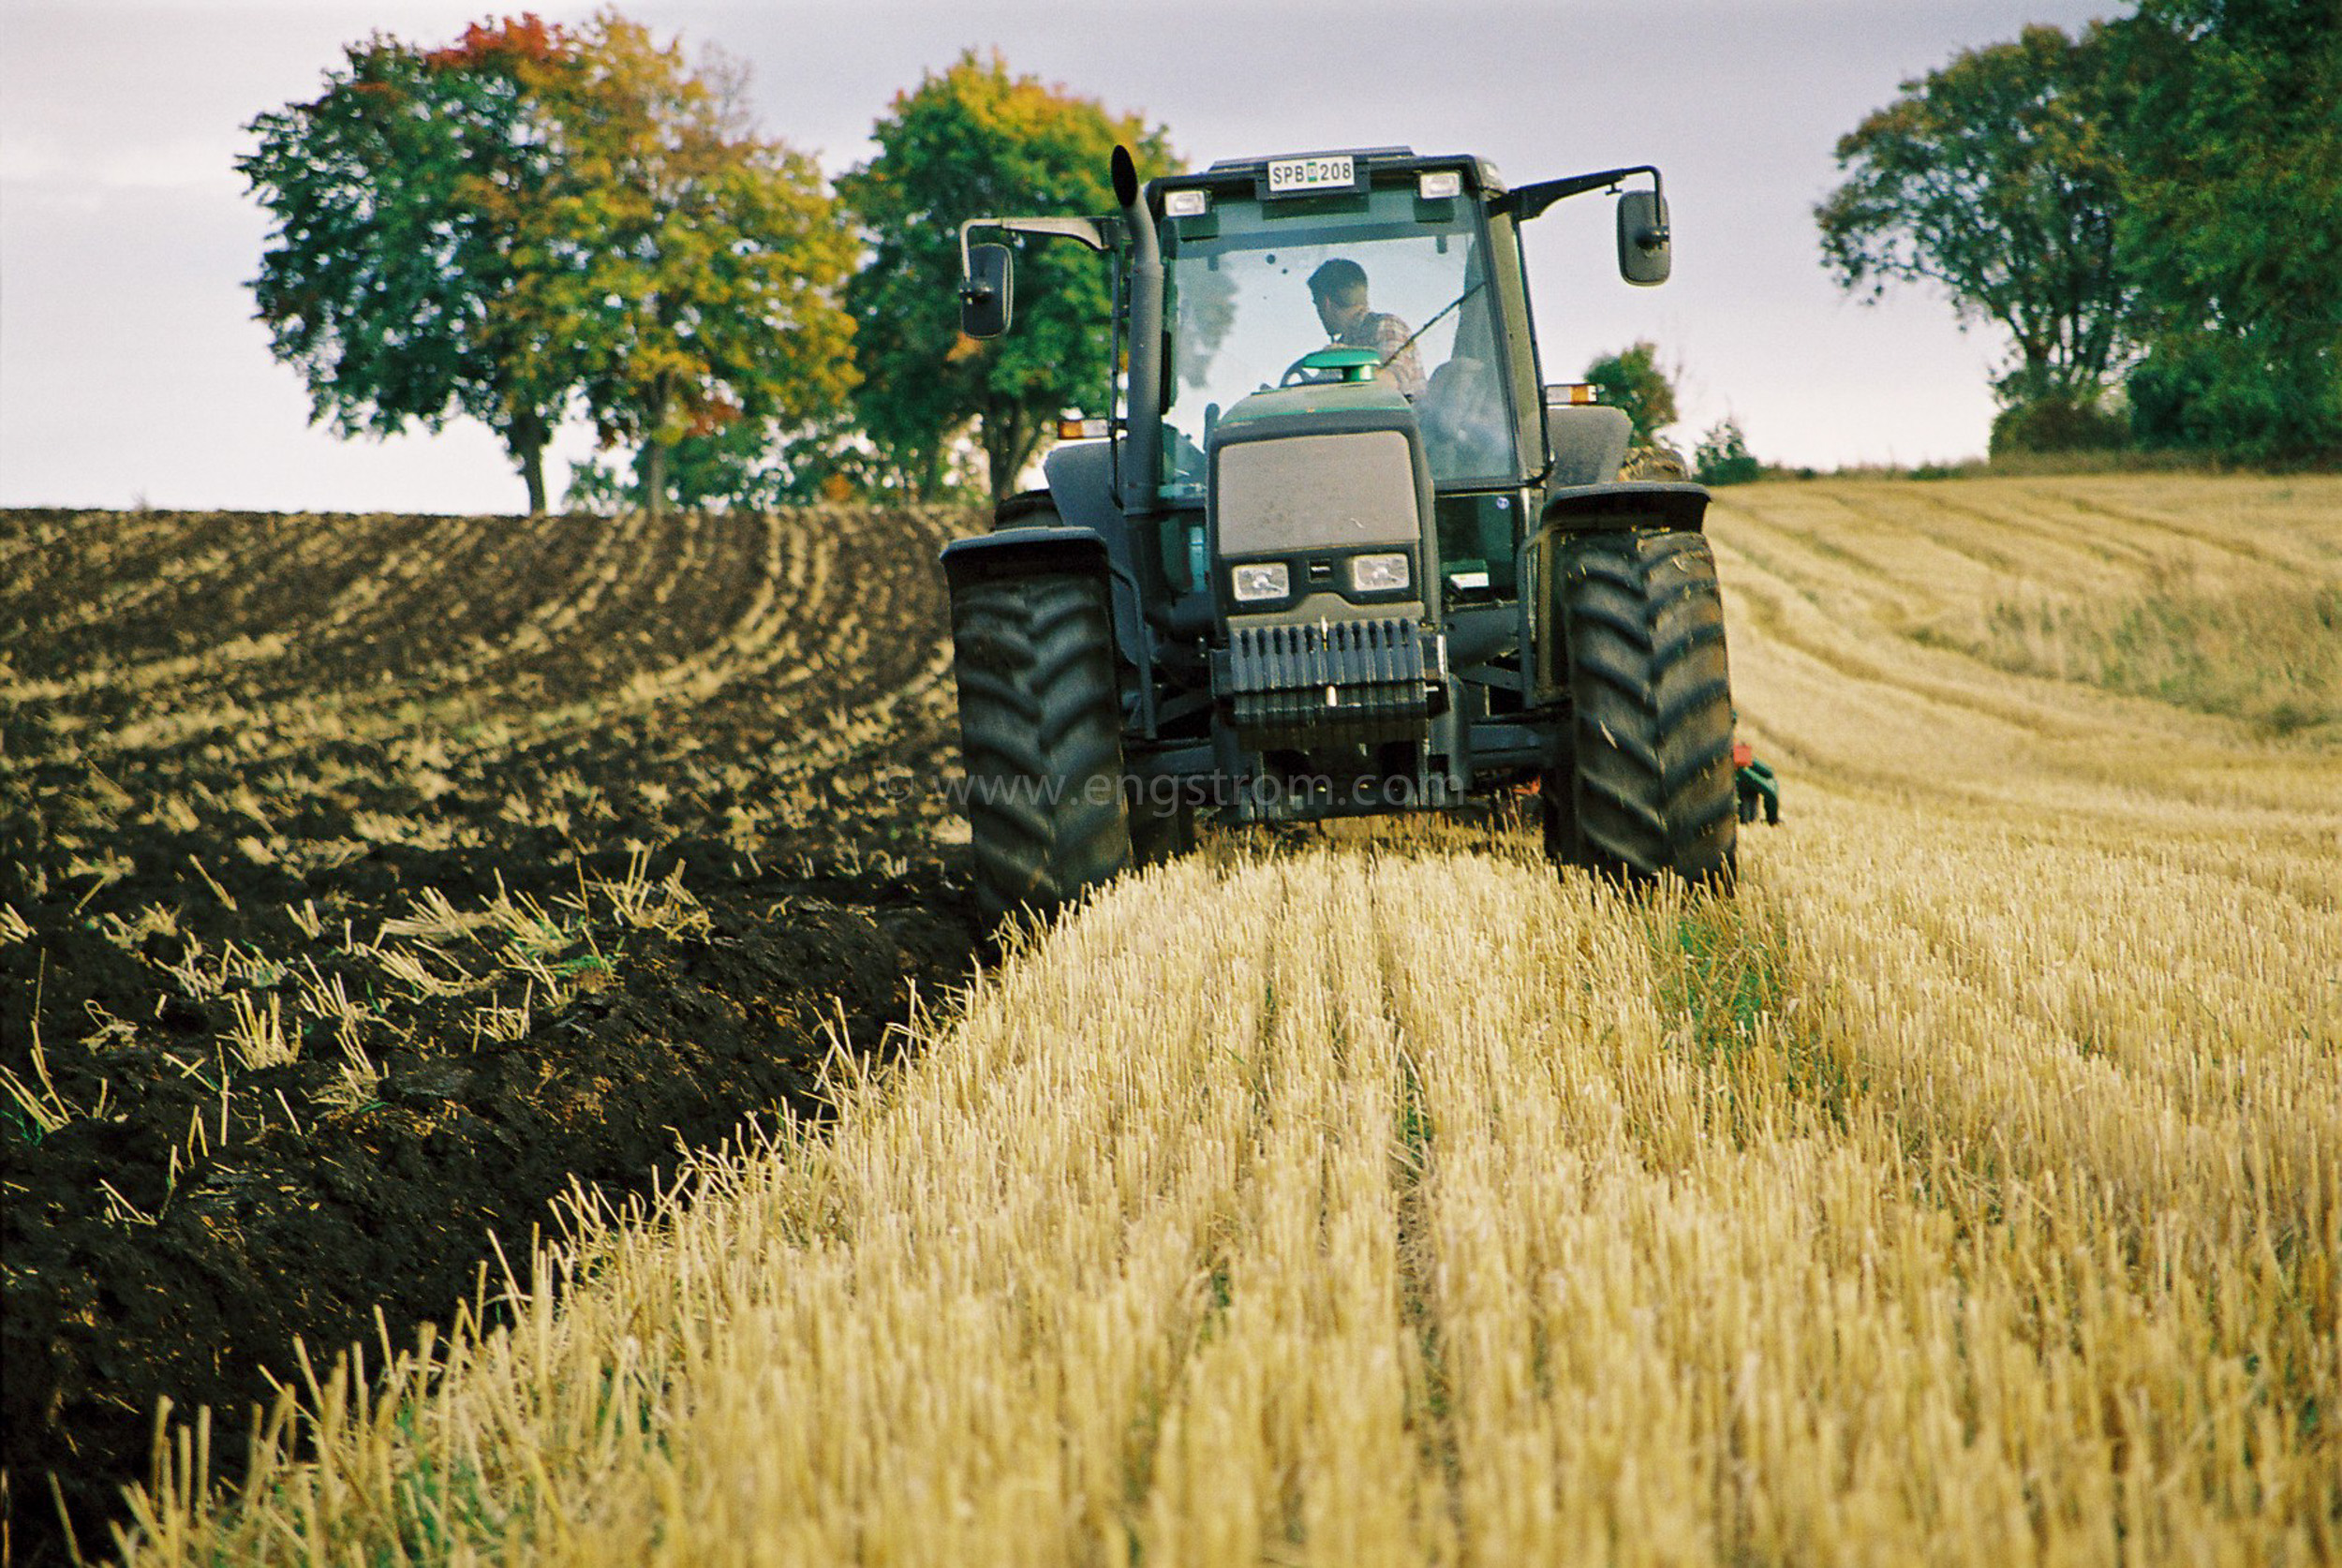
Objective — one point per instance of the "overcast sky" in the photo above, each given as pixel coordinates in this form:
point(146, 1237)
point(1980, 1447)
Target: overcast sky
point(131, 371)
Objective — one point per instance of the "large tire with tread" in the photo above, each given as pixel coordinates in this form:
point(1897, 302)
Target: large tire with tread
point(1649, 789)
point(1039, 726)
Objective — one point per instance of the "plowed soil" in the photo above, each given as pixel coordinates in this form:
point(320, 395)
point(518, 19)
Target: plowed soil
point(365, 881)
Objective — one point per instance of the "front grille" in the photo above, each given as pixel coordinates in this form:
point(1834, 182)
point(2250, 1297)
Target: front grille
point(1326, 681)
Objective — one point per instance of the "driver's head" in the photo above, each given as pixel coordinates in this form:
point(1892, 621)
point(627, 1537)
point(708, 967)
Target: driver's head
point(1339, 289)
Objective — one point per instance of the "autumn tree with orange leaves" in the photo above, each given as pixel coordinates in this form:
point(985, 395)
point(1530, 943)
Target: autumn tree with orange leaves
point(536, 216)
point(697, 267)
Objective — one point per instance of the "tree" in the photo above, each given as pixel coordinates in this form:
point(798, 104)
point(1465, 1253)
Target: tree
point(1634, 380)
point(2053, 425)
point(393, 281)
point(1996, 179)
point(695, 267)
point(534, 215)
point(2230, 123)
point(970, 143)
point(1723, 456)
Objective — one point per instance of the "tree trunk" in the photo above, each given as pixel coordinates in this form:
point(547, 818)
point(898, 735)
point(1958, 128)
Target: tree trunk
point(654, 467)
point(525, 438)
point(1003, 430)
point(1029, 435)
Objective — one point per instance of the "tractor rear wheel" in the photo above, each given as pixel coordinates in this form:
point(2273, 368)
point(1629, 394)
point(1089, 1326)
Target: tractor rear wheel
point(1647, 792)
point(1041, 735)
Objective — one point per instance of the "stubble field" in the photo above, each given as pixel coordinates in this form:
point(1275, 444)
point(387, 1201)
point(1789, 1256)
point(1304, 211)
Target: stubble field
point(1968, 1189)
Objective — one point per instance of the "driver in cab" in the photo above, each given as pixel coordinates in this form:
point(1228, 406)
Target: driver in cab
point(1338, 289)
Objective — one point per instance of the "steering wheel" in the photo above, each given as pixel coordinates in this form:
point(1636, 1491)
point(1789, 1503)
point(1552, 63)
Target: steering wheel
point(1301, 373)
point(1329, 364)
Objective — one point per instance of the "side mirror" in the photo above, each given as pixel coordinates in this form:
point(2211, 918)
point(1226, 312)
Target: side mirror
point(1643, 254)
point(986, 293)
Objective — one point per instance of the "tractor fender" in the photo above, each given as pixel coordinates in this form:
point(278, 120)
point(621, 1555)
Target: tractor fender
point(1669, 505)
point(1588, 440)
point(1023, 552)
point(1074, 524)
point(1080, 476)
point(1051, 548)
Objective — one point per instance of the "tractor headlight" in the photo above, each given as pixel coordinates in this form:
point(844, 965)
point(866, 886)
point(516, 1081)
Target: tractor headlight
point(1261, 580)
point(1378, 574)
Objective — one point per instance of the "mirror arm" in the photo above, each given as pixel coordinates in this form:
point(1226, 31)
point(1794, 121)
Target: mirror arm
point(1660, 235)
point(1093, 232)
point(1530, 200)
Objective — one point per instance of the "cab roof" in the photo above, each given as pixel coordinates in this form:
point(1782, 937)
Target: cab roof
point(1250, 171)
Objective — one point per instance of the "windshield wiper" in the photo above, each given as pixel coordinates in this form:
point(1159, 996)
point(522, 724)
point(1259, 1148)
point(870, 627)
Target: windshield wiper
point(1434, 320)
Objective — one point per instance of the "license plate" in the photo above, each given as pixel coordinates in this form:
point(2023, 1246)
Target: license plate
point(1292, 176)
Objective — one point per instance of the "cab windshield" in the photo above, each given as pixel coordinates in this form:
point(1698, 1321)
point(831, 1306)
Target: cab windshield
point(1255, 287)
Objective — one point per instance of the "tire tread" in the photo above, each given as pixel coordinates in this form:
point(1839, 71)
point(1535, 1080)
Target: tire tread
point(1041, 739)
point(1650, 791)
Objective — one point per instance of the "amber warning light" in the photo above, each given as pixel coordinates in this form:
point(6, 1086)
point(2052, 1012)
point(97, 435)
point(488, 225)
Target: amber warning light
point(1073, 427)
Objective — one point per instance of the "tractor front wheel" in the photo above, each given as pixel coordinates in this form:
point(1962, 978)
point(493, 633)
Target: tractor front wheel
point(1649, 789)
point(1040, 729)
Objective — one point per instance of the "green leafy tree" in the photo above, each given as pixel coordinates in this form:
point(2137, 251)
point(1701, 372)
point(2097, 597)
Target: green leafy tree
point(394, 277)
point(973, 142)
point(2049, 424)
point(696, 268)
point(1723, 456)
point(2230, 123)
point(1998, 180)
point(1634, 380)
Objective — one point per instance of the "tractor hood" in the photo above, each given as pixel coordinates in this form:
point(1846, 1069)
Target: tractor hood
point(1320, 506)
point(1332, 398)
point(1317, 472)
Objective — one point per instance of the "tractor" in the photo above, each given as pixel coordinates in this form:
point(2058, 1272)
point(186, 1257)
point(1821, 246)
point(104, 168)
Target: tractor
point(1335, 547)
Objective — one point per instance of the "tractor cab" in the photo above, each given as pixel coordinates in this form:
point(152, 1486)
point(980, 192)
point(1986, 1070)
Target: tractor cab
point(1280, 294)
